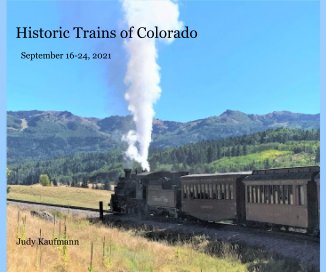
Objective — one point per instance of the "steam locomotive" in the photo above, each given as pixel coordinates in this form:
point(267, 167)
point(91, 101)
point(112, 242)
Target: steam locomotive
point(287, 197)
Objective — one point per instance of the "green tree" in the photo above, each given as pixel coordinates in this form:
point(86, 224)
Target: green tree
point(55, 183)
point(106, 186)
point(44, 180)
point(8, 172)
point(317, 157)
point(84, 183)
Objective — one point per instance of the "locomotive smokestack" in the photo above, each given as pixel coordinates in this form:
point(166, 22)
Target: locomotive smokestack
point(127, 173)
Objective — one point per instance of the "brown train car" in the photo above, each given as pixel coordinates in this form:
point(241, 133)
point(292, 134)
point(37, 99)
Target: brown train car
point(285, 196)
point(214, 197)
point(317, 180)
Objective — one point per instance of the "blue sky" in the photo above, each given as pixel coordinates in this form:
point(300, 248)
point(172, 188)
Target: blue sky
point(252, 56)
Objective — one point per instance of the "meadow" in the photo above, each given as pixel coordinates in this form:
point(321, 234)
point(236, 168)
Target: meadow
point(270, 158)
point(63, 195)
point(101, 248)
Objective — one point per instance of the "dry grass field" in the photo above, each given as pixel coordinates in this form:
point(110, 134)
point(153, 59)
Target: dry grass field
point(81, 197)
point(113, 249)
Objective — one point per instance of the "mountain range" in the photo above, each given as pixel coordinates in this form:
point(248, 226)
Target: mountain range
point(48, 134)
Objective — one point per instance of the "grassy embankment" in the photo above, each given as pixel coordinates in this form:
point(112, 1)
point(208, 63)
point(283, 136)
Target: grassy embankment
point(120, 251)
point(275, 158)
point(81, 197)
point(270, 158)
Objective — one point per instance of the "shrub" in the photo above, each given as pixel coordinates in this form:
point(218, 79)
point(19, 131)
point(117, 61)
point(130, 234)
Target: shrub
point(44, 180)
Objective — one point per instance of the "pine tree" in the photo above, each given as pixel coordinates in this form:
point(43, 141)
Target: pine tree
point(317, 157)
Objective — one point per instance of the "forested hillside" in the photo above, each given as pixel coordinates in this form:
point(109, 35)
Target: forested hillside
point(43, 135)
point(272, 148)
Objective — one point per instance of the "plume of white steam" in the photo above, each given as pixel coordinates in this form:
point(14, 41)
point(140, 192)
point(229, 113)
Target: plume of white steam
point(143, 73)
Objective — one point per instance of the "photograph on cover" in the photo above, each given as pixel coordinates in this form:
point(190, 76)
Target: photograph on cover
point(161, 135)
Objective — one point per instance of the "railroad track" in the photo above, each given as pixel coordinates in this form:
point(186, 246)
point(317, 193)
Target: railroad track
point(54, 205)
point(267, 231)
point(203, 224)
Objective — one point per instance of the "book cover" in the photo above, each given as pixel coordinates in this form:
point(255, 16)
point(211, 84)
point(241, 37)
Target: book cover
point(163, 135)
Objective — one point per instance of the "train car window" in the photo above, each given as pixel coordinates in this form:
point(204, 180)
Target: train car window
point(199, 190)
point(281, 194)
point(266, 194)
point(261, 191)
point(271, 194)
point(195, 191)
point(223, 192)
point(276, 194)
point(210, 190)
point(227, 191)
point(302, 194)
point(290, 188)
point(218, 191)
point(254, 196)
point(262, 194)
point(258, 193)
point(184, 192)
point(214, 191)
point(188, 193)
point(250, 194)
point(191, 191)
point(202, 191)
point(206, 191)
point(301, 198)
point(231, 192)
point(286, 194)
